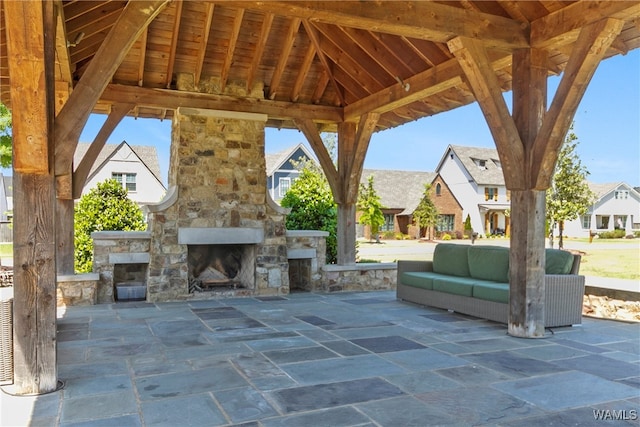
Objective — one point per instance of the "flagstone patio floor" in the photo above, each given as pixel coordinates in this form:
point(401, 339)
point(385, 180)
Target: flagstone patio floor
point(343, 359)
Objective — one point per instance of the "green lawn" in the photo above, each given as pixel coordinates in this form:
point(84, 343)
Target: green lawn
point(6, 249)
point(616, 263)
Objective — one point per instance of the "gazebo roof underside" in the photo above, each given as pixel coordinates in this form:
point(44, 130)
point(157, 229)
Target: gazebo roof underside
point(325, 61)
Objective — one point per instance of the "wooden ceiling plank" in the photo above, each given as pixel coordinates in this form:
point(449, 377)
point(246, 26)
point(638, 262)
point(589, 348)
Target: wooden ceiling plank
point(265, 29)
point(315, 40)
point(233, 40)
point(423, 20)
point(589, 50)
point(174, 43)
point(117, 113)
point(143, 55)
point(310, 131)
point(73, 116)
point(394, 50)
point(204, 42)
point(63, 65)
point(563, 27)
point(482, 78)
point(287, 45)
point(303, 72)
point(171, 99)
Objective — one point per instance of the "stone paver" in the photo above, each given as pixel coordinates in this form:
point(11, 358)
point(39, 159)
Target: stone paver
point(343, 359)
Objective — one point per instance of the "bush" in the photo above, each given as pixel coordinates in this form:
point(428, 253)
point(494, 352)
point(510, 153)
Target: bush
point(389, 235)
point(446, 236)
point(105, 208)
point(614, 234)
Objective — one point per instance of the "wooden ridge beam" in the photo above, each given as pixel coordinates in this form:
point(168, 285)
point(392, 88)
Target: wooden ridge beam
point(418, 19)
point(173, 99)
point(589, 50)
point(484, 83)
point(135, 17)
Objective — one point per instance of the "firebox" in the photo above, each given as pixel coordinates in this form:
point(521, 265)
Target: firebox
point(217, 267)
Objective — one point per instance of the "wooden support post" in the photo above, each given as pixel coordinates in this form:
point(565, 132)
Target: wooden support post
point(347, 207)
point(30, 26)
point(64, 226)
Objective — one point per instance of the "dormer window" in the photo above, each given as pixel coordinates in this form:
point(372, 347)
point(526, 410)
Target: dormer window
point(497, 163)
point(482, 164)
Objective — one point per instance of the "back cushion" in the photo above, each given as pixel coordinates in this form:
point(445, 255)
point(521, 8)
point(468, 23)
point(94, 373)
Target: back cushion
point(489, 263)
point(557, 261)
point(451, 259)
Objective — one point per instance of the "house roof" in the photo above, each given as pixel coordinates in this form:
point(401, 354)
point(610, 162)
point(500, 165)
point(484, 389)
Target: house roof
point(490, 174)
point(146, 153)
point(328, 61)
point(602, 190)
point(398, 189)
point(276, 160)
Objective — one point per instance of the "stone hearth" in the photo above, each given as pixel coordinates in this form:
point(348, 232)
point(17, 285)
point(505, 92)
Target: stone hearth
point(217, 197)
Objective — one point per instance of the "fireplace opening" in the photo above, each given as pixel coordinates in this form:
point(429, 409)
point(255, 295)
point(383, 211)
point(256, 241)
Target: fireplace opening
point(220, 267)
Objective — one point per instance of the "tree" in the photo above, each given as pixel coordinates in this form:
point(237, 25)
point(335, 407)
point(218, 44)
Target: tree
point(106, 207)
point(313, 208)
point(426, 213)
point(5, 137)
point(371, 207)
point(569, 195)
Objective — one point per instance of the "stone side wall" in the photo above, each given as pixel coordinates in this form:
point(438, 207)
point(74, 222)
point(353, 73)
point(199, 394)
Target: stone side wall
point(307, 253)
point(78, 289)
point(359, 277)
point(219, 171)
point(111, 248)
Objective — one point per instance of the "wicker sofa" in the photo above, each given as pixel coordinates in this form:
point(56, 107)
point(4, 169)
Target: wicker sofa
point(474, 280)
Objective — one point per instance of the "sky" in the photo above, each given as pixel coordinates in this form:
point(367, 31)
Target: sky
point(607, 124)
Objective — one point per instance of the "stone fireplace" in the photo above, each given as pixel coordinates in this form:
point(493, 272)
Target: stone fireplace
point(217, 232)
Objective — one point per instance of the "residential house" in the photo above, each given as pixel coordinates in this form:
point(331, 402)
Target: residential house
point(136, 167)
point(470, 182)
point(400, 193)
point(6, 208)
point(282, 171)
point(617, 207)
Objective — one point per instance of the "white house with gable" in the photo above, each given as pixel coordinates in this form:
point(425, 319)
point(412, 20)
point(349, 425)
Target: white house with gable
point(617, 207)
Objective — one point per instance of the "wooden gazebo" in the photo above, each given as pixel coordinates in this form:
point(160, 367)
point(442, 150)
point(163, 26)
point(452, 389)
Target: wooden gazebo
point(351, 66)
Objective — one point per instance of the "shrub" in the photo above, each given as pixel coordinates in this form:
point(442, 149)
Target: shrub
point(446, 236)
point(614, 234)
point(105, 208)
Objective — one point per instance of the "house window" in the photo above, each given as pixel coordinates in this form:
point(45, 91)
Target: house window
point(438, 189)
point(586, 222)
point(482, 164)
point(388, 223)
point(622, 194)
point(127, 180)
point(602, 222)
point(445, 223)
point(491, 193)
point(283, 186)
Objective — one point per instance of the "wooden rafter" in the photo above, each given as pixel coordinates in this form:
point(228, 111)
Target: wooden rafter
point(287, 45)
point(143, 55)
point(73, 116)
point(204, 42)
point(480, 75)
point(424, 20)
point(63, 66)
point(302, 73)
point(315, 40)
point(233, 39)
point(588, 51)
point(321, 87)
point(265, 29)
point(174, 43)
point(165, 98)
point(80, 175)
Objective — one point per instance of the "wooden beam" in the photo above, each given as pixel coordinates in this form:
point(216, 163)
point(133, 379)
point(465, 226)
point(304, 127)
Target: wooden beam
point(588, 51)
point(118, 111)
point(30, 28)
point(233, 40)
point(346, 235)
point(419, 19)
point(310, 131)
point(285, 50)
point(135, 17)
point(204, 42)
point(63, 65)
point(484, 83)
point(174, 43)
point(366, 127)
point(302, 72)
point(172, 99)
point(563, 27)
point(143, 55)
point(315, 40)
point(265, 29)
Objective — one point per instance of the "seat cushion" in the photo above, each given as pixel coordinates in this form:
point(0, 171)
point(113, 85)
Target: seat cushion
point(418, 279)
point(451, 259)
point(557, 261)
point(454, 285)
point(489, 263)
point(491, 291)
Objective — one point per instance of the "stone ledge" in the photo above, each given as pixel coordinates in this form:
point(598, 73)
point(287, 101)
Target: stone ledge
point(220, 236)
point(84, 277)
point(129, 258)
point(361, 266)
point(306, 233)
point(112, 235)
point(301, 253)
